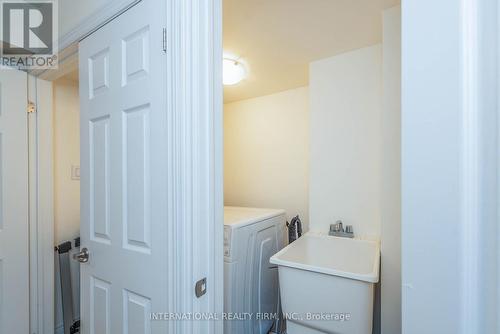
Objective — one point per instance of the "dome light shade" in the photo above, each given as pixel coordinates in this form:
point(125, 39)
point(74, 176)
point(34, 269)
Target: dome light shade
point(232, 72)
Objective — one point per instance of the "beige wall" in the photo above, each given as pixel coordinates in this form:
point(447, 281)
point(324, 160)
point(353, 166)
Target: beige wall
point(346, 106)
point(266, 152)
point(66, 154)
point(66, 191)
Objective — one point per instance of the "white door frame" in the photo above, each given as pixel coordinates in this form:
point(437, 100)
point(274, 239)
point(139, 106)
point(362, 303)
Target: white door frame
point(41, 213)
point(194, 46)
point(450, 188)
point(195, 40)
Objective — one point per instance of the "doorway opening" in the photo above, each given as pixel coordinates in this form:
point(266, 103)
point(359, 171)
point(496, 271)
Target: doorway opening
point(66, 164)
point(312, 126)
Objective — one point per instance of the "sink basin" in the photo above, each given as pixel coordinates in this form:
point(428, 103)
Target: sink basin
point(327, 284)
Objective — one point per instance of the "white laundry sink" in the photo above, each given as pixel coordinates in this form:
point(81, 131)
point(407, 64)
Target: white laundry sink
point(327, 284)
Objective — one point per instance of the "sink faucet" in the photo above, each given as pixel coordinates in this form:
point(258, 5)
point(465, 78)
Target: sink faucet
point(337, 230)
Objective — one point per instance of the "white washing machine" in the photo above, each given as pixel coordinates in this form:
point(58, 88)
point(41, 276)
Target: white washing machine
point(251, 237)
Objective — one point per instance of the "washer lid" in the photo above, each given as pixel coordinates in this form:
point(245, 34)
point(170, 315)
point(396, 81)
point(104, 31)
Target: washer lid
point(240, 216)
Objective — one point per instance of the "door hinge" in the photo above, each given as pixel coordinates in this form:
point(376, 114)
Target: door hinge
point(165, 40)
point(31, 107)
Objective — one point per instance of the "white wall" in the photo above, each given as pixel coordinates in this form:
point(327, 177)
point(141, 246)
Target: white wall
point(266, 152)
point(391, 174)
point(450, 217)
point(345, 128)
point(431, 215)
point(74, 13)
point(66, 191)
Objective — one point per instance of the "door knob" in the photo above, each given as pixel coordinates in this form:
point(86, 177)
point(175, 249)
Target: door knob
point(82, 256)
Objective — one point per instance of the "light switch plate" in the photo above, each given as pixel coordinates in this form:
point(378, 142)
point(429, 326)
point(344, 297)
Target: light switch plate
point(75, 172)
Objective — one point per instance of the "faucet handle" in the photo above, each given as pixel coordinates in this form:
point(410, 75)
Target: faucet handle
point(337, 227)
point(337, 230)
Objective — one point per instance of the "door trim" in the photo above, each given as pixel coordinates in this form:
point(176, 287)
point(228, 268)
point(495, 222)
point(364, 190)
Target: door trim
point(479, 165)
point(41, 213)
point(450, 166)
point(195, 44)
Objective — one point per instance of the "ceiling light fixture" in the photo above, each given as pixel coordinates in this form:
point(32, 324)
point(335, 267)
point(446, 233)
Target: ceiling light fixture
point(233, 71)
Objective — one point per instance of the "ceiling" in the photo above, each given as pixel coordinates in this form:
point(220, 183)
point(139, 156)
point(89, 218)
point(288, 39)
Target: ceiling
point(277, 39)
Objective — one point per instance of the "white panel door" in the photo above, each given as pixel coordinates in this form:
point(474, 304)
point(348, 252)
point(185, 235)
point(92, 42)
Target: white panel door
point(14, 258)
point(124, 174)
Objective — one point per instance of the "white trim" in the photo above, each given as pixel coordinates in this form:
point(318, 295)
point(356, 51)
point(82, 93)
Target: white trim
point(41, 208)
point(469, 169)
point(218, 163)
point(497, 92)
point(450, 166)
point(33, 208)
point(479, 166)
point(195, 45)
point(497, 40)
